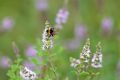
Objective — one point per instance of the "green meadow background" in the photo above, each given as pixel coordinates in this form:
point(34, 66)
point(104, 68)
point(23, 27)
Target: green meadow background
point(29, 25)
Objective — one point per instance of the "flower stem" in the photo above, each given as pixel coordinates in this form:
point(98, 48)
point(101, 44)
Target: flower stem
point(91, 78)
point(78, 77)
point(52, 66)
point(53, 69)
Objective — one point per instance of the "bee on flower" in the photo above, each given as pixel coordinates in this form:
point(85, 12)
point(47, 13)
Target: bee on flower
point(48, 35)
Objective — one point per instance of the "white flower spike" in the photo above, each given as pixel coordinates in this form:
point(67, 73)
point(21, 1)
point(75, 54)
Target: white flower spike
point(97, 58)
point(27, 74)
point(85, 55)
point(74, 62)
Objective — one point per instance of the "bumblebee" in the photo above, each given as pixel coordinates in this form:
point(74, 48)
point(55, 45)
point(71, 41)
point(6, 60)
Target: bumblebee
point(50, 31)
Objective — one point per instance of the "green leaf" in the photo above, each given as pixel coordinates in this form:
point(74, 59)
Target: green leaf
point(73, 72)
point(84, 74)
point(40, 54)
point(98, 73)
point(35, 61)
point(13, 73)
point(60, 49)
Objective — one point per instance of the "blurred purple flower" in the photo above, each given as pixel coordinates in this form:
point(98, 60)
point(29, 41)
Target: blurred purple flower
point(80, 34)
point(29, 65)
point(5, 62)
point(107, 24)
point(30, 51)
point(62, 16)
point(42, 5)
point(72, 44)
point(58, 26)
point(7, 23)
point(80, 31)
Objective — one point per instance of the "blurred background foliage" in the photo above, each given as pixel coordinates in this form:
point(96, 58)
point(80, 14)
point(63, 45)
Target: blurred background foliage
point(28, 25)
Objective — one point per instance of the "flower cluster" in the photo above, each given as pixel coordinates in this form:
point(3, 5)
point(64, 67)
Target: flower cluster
point(41, 5)
point(86, 58)
point(5, 62)
point(74, 62)
point(30, 51)
point(27, 74)
point(7, 23)
point(97, 58)
point(107, 25)
point(48, 36)
point(62, 16)
point(80, 31)
point(85, 55)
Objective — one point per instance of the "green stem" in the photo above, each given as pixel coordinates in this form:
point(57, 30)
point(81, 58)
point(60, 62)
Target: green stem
point(52, 66)
point(91, 78)
point(54, 71)
point(78, 77)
